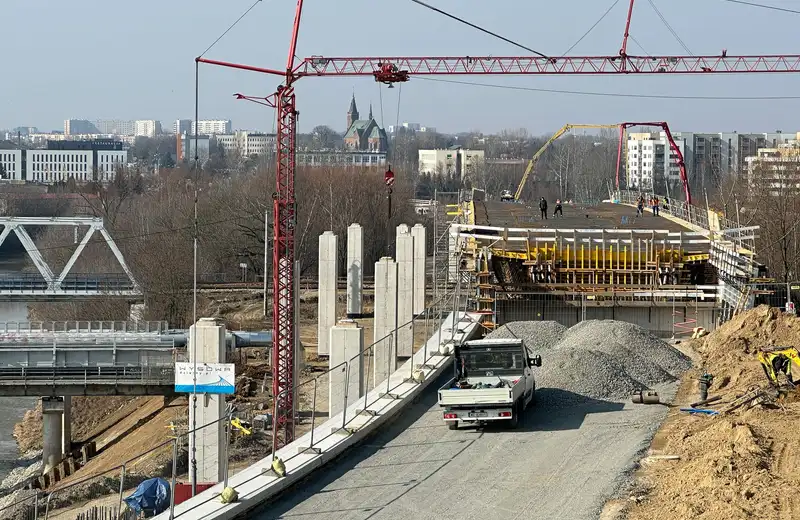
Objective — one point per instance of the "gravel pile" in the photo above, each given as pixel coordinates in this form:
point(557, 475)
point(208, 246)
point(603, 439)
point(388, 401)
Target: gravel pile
point(538, 335)
point(599, 359)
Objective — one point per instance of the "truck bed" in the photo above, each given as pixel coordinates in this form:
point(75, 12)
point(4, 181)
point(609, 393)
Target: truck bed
point(484, 397)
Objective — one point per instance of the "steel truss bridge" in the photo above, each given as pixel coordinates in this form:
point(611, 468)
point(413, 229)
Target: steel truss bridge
point(48, 285)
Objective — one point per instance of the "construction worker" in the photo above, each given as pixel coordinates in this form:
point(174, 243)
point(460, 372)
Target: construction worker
point(543, 208)
point(558, 210)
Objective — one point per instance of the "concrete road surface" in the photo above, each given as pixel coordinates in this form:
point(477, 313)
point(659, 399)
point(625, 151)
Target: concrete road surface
point(562, 463)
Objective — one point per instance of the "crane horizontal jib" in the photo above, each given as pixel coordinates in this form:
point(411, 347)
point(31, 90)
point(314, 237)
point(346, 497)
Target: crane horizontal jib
point(476, 65)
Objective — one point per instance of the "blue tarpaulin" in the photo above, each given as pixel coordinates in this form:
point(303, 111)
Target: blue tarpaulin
point(151, 497)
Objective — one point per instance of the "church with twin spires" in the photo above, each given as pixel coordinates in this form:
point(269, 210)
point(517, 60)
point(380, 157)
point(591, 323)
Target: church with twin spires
point(364, 135)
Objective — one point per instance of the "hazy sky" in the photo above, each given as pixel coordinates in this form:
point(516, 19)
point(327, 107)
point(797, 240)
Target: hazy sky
point(97, 59)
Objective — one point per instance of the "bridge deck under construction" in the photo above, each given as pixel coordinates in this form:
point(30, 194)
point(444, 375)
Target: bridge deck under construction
point(601, 245)
point(605, 215)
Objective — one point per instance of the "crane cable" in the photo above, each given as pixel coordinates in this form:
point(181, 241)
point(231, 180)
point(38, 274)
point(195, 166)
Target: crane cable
point(397, 122)
point(590, 28)
point(669, 28)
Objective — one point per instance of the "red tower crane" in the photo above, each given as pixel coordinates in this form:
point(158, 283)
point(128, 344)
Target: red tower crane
point(395, 69)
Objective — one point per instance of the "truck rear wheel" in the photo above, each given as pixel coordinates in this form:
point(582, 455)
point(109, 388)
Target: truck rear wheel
point(452, 425)
point(513, 423)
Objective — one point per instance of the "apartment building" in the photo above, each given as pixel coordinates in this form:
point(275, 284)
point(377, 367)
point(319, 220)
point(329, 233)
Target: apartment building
point(450, 161)
point(147, 128)
point(776, 169)
point(212, 126)
point(247, 143)
point(650, 161)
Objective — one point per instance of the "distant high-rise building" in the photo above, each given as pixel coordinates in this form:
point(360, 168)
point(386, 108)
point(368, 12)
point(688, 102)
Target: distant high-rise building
point(115, 127)
point(246, 143)
point(451, 161)
point(186, 148)
point(182, 126)
point(709, 155)
point(79, 127)
point(212, 126)
point(148, 128)
point(651, 163)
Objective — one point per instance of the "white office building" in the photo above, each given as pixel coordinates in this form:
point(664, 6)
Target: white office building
point(147, 128)
point(11, 165)
point(83, 161)
point(212, 126)
point(651, 162)
point(451, 161)
point(247, 143)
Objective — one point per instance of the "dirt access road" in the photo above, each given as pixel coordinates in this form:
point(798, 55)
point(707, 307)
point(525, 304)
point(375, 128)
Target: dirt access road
point(562, 463)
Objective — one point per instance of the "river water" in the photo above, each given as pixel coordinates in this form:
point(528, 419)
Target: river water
point(11, 408)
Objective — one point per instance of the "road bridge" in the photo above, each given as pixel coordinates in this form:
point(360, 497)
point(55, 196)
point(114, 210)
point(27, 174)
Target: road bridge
point(49, 285)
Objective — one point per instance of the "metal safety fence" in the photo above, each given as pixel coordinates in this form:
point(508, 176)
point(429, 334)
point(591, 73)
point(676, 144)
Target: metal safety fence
point(665, 316)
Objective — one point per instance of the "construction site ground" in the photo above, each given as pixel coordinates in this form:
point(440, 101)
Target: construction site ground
point(739, 465)
point(123, 427)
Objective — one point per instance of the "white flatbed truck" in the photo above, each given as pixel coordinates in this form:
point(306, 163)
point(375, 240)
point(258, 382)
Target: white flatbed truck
point(493, 381)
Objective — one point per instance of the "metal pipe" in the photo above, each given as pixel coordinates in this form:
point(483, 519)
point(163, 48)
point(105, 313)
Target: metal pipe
point(313, 413)
point(174, 478)
point(121, 487)
point(227, 447)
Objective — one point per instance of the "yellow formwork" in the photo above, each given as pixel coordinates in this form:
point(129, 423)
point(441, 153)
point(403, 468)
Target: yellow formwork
point(594, 264)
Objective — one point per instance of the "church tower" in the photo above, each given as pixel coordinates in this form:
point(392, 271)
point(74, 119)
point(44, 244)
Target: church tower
point(352, 114)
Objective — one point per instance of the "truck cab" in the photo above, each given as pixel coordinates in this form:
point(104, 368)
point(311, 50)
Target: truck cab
point(493, 381)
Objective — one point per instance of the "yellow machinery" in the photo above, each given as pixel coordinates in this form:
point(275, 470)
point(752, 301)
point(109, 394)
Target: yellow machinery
point(775, 360)
point(532, 163)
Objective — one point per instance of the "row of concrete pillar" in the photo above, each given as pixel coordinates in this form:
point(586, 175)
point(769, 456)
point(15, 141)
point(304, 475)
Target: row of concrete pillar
point(399, 297)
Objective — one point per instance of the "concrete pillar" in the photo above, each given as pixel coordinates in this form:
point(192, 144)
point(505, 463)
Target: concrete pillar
point(420, 274)
point(207, 337)
point(326, 315)
point(384, 360)
point(66, 426)
point(347, 342)
point(52, 413)
point(405, 294)
point(355, 270)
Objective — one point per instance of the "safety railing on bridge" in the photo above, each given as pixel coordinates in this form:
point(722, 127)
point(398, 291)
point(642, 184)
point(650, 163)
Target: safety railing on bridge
point(82, 327)
point(74, 283)
point(70, 366)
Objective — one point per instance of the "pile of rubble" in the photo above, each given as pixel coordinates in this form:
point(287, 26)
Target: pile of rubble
point(599, 359)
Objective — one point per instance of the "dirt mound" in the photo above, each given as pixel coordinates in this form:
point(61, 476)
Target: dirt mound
point(738, 466)
point(730, 351)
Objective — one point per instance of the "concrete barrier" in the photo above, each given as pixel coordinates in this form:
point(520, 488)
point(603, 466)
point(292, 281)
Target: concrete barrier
point(257, 484)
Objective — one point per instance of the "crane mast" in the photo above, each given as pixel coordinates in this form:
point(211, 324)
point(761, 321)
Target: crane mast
point(391, 70)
